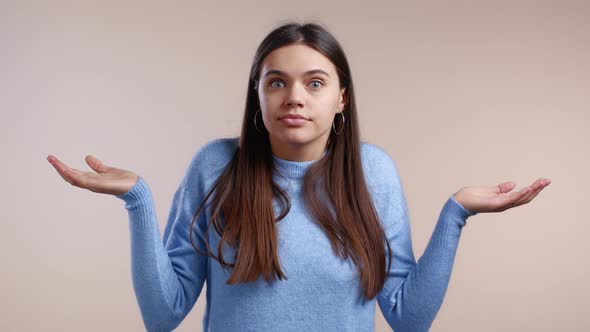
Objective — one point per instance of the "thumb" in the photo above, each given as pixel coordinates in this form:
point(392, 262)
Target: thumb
point(96, 165)
point(505, 187)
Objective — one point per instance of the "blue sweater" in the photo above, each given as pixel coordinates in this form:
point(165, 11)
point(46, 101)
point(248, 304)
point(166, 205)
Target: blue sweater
point(321, 292)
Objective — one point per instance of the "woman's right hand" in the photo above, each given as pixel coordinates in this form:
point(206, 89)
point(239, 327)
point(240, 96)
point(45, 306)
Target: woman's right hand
point(106, 180)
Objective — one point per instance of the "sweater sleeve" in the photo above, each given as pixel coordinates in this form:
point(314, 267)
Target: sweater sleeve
point(413, 292)
point(167, 274)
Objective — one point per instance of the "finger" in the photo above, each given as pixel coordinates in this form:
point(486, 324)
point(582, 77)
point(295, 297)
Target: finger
point(535, 190)
point(512, 198)
point(70, 175)
point(529, 197)
point(538, 184)
point(544, 182)
point(505, 187)
point(525, 198)
point(60, 167)
point(96, 165)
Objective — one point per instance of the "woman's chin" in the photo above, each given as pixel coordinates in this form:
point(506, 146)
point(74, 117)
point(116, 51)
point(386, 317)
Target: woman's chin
point(296, 138)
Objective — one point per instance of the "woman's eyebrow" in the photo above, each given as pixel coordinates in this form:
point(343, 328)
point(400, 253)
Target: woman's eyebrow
point(309, 72)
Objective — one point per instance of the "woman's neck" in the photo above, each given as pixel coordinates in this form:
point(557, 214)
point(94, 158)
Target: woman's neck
point(313, 150)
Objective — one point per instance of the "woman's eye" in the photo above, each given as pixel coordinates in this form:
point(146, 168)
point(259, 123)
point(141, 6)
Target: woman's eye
point(317, 84)
point(272, 84)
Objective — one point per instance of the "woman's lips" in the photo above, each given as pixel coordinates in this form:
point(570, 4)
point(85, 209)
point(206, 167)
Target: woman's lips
point(294, 122)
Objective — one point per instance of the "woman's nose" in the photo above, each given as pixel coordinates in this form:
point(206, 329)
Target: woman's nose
point(295, 95)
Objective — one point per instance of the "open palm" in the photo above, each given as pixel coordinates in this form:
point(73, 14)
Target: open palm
point(498, 198)
point(106, 180)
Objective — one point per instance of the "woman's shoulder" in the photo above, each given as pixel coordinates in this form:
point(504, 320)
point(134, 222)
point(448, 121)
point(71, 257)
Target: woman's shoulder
point(219, 146)
point(373, 154)
point(378, 166)
point(214, 155)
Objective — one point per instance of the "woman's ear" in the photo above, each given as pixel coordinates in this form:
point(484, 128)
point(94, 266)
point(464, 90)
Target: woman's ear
point(342, 99)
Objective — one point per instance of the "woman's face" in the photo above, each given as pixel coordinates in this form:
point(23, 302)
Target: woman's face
point(298, 80)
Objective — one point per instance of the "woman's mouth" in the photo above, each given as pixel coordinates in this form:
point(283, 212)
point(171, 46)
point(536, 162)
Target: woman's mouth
point(293, 120)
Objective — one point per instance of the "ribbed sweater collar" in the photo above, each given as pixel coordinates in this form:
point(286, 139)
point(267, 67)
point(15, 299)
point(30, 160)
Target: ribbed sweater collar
point(293, 169)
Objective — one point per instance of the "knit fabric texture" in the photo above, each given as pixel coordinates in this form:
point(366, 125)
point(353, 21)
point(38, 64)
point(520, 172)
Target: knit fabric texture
point(322, 291)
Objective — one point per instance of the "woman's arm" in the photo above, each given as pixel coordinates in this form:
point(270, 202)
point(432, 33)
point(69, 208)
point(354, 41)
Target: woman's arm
point(414, 292)
point(167, 274)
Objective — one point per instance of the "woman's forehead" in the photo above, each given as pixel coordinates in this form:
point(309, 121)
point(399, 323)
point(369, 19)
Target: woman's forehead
point(297, 60)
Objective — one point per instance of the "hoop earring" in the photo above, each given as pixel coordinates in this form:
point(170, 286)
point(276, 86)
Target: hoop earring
point(255, 124)
point(342, 128)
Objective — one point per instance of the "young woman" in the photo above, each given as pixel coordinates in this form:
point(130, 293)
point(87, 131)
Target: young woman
point(295, 225)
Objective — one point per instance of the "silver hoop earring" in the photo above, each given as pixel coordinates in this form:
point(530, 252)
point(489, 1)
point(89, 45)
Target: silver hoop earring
point(255, 124)
point(342, 128)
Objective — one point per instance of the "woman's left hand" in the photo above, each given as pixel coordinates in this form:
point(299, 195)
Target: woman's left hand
point(498, 198)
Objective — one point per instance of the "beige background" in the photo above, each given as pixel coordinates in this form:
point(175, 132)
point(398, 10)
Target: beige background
point(458, 92)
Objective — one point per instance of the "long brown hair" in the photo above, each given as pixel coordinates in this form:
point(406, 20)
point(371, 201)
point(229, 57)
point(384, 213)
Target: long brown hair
point(334, 187)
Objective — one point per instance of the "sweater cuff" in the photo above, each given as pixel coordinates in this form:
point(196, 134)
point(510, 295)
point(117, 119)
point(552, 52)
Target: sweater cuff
point(464, 212)
point(452, 219)
point(456, 211)
point(138, 194)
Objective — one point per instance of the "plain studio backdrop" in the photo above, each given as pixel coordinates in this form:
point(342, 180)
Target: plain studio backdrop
point(459, 93)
